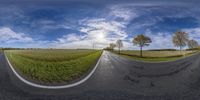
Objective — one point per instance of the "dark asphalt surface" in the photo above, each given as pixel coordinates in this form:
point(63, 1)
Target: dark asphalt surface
point(116, 78)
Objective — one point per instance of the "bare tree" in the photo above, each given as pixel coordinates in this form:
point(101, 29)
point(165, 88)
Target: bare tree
point(119, 45)
point(141, 41)
point(112, 46)
point(180, 39)
point(192, 44)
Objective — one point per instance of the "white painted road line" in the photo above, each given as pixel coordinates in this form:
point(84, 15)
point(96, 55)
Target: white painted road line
point(54, 87)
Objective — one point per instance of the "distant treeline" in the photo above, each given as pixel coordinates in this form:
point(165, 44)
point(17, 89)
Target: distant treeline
point(20, 48)
point(193, 49)
point(162, 50)
point(172, 49)
point(37, 49)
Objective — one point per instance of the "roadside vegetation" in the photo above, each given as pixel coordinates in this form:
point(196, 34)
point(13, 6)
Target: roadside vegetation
point(1, 50)
point(180, 39)
point(53, 66)
point(156, 56)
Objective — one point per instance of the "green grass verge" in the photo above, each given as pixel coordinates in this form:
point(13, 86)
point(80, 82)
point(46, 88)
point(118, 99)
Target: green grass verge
point(157, 56)
point(53, 66)
point(1, 51)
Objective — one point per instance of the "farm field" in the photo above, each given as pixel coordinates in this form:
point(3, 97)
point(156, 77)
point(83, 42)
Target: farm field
point(53, 66)
point(157, 56)
point(1, 50)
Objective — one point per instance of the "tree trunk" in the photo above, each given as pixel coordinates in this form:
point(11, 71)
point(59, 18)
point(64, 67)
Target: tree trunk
point(119, 50)
point(181, 51)
point(141, 52)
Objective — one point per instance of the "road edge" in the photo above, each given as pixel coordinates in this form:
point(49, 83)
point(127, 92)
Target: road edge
point(54, 87)
point(148, 62)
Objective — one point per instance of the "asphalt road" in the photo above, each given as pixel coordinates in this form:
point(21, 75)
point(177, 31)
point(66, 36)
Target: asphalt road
point(116, 78)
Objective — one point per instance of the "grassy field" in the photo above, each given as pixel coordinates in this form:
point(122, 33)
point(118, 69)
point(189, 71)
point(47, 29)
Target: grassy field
point(157, 56)
point(53, 66)
point(1, 50)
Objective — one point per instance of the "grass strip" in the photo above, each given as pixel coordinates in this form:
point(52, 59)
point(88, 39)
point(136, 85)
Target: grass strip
point(53, 72)
point(155, 59)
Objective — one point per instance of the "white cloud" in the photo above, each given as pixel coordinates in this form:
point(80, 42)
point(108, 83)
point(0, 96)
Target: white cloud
point(70, 38)
point(9, 36)
point(102, 28)
point(164, 40)
point(160, 40)
point(123, 11)
point(103, 31)
point(99, 31)
point(74, 44)
point(194, 33)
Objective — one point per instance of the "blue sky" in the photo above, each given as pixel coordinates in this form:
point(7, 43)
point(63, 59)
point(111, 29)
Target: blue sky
point(80, 23)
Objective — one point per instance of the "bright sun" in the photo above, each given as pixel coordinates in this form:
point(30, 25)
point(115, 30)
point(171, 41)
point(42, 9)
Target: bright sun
point(100, 36)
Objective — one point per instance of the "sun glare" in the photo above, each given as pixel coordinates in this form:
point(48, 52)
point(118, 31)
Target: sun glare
point(100, 36)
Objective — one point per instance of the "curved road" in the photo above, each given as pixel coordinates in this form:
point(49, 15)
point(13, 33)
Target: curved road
point(116, 78)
